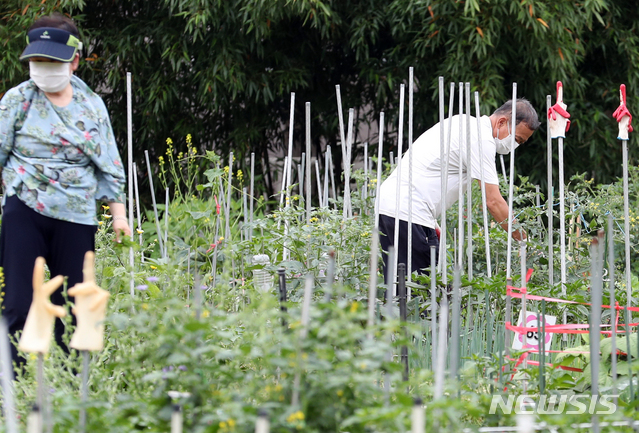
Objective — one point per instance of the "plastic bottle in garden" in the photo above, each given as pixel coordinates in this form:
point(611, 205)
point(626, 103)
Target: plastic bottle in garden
point(262, 279)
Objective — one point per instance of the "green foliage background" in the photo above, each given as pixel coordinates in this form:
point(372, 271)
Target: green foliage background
point(223, 70)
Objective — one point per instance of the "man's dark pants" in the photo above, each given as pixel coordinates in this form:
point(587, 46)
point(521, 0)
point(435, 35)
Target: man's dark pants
point(423, 239)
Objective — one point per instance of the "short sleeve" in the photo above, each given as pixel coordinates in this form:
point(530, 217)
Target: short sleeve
point(13, 107)
point(110, 171)
point(485, 160)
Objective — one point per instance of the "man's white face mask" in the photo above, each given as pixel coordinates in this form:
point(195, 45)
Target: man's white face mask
point(50, 77)
point(503, 144)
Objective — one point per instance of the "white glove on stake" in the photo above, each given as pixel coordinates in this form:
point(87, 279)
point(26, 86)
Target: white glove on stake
point(558, 116)
point(36, 336)
point(622, 115)
point(89, 309)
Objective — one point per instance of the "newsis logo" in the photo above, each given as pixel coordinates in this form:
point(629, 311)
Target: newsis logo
point(554, 404)
point(45, 35)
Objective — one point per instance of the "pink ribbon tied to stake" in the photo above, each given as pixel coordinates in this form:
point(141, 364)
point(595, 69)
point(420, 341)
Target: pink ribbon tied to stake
point(622, 115)
point(558, 117)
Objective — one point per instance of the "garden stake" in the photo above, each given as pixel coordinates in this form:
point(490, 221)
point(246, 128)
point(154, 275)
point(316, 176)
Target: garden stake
point(550, 192)
point(330, 275)
point(320, 195)
point(281, 272)
point(399, 182)
point(483, 189)
point(227, 210)
point(380, 168)
point(559, 124)
point(445, 157)
point(389, 314)
point(596, 283)
point(84, 389)
point(409, 247)
point(34, 420)
point(542, 349)
point(155, 208)
point(623, 116)
point(503, 168)
point(392, 160)
point(137, 208)
point(469, 187)
point(262, 424)
point(176, 419)
point(166, 226)
point(306, 317)
point(629, 353)
point(513, 125)
point(455, 323)
point(245, 206)
point(460, 190)
point(418, 418)
point(307, 196)
point(287, 169)
point(489, 325)
point(372, 282)
point(613, 310)
point(301, 171)
point(332, 170)
point(197, 296)
point(524, 312)
point(129, 134)
point(215, 239)
point(8, 406)
point(401, 293)
point(538, 204)
point(284, 191)
point(433, 304)
point(364, 196)
point(348, 210)
point(251, 195)
point(440, 370)
point(327, 159)
point(340, 117)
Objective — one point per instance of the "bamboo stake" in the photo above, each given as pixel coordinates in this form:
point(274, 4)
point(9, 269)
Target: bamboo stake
point(245, 208)
point(562, 226)
point(597, 249)
point(227, 215)
point(455, 325)
point(137, 208)
point(401, 294)
point(166, 224)
point(155, 208)
point(399, 182)
point(301, 171)
point(327, 161)
point(418, 417)
point(262, 424)
point(291, 128)
point(340, 118)
point(442, 153)
point(176, 419)
point(524, 312)
point(84, 390)
point(332, 170)
point(483, 189)
point(364, 195)
point(389, 314)
point(440, 370)
point(469, 188)
point(626, 226)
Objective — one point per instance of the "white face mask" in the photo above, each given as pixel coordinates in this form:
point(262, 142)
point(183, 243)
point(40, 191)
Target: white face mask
point(503, 144)
point(50, 77)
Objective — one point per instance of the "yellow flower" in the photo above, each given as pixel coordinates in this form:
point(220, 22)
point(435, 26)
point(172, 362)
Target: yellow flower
point(226, 170)
point(314, 220)
point(145, 306)
point(295, 416)
point(205, 313)
point(169, 141)
point(340, 393)
point(188, 138)
point(161, 159)
point(239, 175)
point(153, 267)
point(354, 307)
point(180, 155)
point(140, 231)
point(231, 422)
point(105, 207)
point(106, 216)
point(221, 238)
point(100, 222)
point(222, 425)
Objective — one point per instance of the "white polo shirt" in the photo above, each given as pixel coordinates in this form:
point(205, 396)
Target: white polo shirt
point(427, 168)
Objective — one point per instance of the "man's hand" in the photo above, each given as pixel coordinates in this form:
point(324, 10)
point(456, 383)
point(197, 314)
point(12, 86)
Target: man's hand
point(498, 208)
point(38, 328)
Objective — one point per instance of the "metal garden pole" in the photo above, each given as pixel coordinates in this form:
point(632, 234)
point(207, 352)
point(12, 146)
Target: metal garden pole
point(8, 405)
point(509, 280)
point(460, 191)
point(550, 193)
point(445, 157)
point(290, 143)
point(372, 282)
point(613, 309)
point(252, 194)
point(483, 188)
point(307, 198)
point(596, 282)
point(347, 212)
point(129, 134)
point(409, 249)
point(320, 195)
point(469, 188)
point(398, 190)
point(433, 305)
point(380, 168)
point(155, 208)
point(227, 216)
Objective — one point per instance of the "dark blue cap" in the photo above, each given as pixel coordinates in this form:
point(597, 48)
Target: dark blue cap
point(51, 43)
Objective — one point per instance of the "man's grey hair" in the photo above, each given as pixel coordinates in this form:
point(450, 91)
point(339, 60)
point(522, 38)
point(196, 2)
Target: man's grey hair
point(525, 113)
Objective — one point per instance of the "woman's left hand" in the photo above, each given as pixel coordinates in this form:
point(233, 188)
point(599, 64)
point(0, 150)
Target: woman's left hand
point(121, 227)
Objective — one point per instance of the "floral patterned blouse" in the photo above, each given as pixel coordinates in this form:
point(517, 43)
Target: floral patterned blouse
point(59, 160)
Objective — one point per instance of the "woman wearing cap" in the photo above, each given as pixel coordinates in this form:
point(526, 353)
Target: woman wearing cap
point(58, 156)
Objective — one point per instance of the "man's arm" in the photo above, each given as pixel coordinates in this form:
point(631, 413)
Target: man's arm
point(498, 208)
